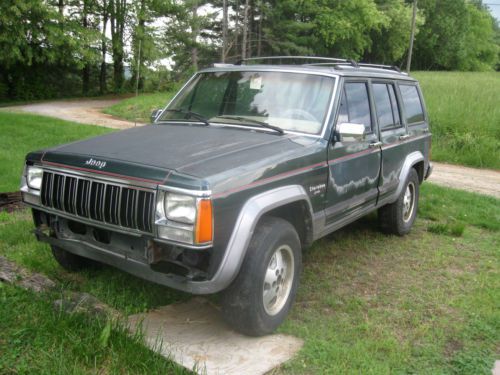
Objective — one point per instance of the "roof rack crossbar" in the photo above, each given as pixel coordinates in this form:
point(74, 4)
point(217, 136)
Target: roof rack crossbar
point(381, 66)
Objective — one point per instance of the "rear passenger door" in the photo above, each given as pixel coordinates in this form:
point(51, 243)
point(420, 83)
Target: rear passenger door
point(354, 164)
point(392, 134)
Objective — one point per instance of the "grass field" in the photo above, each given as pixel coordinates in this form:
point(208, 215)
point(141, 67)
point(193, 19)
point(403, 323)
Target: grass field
point(465, 116)
point(139, 108)
point(24, 133)
point(368, 303)
point(463, 107)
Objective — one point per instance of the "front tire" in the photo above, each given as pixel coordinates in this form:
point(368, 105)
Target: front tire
point(260, 297)
point(398, 217)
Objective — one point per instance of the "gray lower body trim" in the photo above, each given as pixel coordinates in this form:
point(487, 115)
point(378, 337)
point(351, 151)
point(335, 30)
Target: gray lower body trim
point(129, 265)
point(353, 216)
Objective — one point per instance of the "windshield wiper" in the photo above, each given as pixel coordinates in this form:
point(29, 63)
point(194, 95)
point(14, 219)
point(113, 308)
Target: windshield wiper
point(252, 121)
point(195, 115)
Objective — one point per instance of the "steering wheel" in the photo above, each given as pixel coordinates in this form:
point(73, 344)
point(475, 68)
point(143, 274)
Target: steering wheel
point(299, 114)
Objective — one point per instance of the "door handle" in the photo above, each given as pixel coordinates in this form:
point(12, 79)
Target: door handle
point(425, 130)
point(375, 144)
point(403, 137)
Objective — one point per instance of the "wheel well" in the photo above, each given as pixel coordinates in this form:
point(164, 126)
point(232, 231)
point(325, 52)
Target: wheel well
point(419, 167)
point(298, 214)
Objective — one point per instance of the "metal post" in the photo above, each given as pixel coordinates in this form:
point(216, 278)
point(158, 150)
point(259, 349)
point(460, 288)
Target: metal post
point(412, 36)
point(224, 31)
point(137, 76)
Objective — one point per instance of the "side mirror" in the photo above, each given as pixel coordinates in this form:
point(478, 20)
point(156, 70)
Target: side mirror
point(350, 132)
point(155, 114)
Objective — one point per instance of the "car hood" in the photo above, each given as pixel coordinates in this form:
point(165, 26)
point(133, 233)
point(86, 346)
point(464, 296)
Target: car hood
point(152, 152)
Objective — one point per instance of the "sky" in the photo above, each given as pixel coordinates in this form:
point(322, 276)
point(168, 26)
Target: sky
point(494, 6)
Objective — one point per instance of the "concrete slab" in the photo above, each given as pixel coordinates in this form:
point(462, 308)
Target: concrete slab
point(194, 335)
point(496, 368)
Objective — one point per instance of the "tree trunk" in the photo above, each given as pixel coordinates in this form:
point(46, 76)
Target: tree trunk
point(104, 48)
point(259, 31)
point(117, 20)
point(86, 67)
point(195, 31)
point(251, 27)
point(237, 26)
point(141, 32)
point(245, 31)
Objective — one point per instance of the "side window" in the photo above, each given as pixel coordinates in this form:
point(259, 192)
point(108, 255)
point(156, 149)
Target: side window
point(412, 105)
point(386, 104)
point(355, 106)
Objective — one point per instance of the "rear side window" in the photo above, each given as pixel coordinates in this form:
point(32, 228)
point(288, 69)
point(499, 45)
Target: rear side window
point(355, 106)
point(386, 105)
point(412, 104)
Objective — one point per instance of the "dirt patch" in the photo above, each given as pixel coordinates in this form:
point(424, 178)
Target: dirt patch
point(11, 201)
point(84, 111)
point(14, 274)
point(482, 181)
point(85, 303)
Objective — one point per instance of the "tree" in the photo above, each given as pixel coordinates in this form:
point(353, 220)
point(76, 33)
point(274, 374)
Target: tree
point(456, 35)
point(390, 41)
point(104, 47)
point(118, 16)
point(38, 46)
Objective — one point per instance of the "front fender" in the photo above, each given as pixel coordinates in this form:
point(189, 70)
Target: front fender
point(243, 231)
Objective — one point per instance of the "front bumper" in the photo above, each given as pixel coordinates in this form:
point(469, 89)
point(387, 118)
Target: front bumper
point(126, 264)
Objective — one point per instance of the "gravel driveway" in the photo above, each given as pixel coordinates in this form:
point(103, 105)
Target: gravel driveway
point(88, 111)
point(84, 111)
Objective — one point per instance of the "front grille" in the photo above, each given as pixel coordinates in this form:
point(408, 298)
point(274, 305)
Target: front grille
point(99, 201)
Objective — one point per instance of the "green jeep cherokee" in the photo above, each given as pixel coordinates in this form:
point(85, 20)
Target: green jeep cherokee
point(246, 167)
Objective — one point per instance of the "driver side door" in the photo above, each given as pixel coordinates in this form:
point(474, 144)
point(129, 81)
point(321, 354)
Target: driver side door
point(354, 164)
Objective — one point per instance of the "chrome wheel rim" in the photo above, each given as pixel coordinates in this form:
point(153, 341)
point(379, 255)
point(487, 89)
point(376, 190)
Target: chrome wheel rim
point(408, 202)
point(278, 280)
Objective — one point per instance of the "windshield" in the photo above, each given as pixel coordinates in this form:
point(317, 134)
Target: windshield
point(289, 101)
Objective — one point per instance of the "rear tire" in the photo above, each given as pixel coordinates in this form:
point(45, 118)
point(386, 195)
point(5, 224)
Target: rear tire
point(71, 262)
point(260, 297)
point(398, 217)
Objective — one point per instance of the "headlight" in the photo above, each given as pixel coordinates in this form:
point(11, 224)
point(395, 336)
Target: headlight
point(184, 218)
point(34, 177)
point(181, 208)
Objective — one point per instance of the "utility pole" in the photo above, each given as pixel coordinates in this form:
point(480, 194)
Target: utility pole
point(224, 31)
point(412, 36)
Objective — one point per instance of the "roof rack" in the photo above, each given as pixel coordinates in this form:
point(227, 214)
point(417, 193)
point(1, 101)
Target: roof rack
point(327, 60)
point(320, 61)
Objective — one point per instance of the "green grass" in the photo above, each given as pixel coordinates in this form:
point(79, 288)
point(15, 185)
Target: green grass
point(139, 108)
point(37, 339)
point(368, 303)
point(22, 133)
point(465, 116)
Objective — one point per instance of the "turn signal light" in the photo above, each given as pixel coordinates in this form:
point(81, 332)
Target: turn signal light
point(204, 222)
